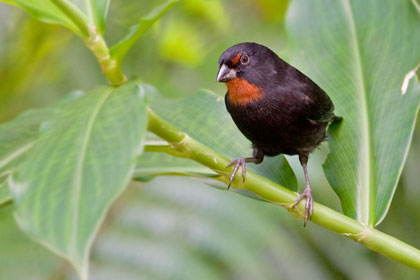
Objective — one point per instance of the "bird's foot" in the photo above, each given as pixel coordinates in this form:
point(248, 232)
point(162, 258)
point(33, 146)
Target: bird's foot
point(238, 162)
point(307, 193)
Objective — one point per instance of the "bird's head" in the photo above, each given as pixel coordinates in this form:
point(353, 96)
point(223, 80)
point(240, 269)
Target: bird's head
point(244, 68)
point(235, 61)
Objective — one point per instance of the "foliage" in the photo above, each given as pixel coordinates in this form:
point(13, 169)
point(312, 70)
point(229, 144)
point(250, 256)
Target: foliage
point(77, 145)
point(63, 166)
point(348, 61)
point(137, 30)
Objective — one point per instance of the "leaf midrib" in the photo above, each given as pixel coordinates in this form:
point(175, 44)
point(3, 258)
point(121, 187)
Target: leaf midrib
point(77, 180)
point(15, 154)
point(364, 203)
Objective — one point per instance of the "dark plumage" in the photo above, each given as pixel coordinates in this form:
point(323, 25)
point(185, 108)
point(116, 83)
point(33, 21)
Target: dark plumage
point(278, 108)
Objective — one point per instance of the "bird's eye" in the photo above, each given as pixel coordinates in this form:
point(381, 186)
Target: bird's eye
point(244, 59)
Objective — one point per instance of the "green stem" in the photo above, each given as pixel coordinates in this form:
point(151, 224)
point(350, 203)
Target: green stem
point(95, 42)
point(78, 18)
point(163, 149)
point(110, 67)
point(270, 191)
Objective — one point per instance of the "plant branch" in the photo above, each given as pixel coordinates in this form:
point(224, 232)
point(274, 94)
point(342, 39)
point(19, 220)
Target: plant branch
point(95, 42)
point(270, 191)
point(110, 67)
point(163, 149)
point(78, 18)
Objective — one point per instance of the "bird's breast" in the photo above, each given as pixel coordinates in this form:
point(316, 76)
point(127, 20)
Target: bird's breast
point(241, 92)
point(276, 127)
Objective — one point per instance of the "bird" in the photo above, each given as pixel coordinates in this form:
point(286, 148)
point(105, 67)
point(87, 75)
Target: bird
point(277, 107)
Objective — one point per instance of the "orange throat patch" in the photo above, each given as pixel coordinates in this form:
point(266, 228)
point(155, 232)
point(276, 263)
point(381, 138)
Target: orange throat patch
point(241, 92)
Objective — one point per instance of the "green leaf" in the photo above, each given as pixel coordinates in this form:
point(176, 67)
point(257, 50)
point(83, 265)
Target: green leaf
point(18, 251)
point(46, 11)
point(204, 117)
point(98, 10)
point(82, 161)
point(361, 59)
point(18, 136)
point(119, 50)
point(5, 195)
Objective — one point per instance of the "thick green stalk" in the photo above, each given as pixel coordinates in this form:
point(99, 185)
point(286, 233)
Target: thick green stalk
point(95, 42)
point(78, 18)
point(110, 67)
point(375, 240)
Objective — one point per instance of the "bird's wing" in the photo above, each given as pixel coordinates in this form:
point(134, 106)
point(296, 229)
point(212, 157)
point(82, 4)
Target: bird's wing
point(321, 109)
point(318, 107)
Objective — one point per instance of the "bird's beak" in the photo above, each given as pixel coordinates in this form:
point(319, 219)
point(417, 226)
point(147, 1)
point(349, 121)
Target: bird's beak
point(226, 74)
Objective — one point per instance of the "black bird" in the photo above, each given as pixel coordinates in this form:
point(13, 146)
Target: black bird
point(277, 107)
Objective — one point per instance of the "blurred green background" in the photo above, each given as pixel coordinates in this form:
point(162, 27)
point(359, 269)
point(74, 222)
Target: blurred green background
point(173, 227)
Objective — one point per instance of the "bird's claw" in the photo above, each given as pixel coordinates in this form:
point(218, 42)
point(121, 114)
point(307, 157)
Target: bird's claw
point(238, 162)
point(307, 193)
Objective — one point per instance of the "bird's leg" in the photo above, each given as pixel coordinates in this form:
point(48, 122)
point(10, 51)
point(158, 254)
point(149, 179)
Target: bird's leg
point(307, 193)
point(257, 158)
